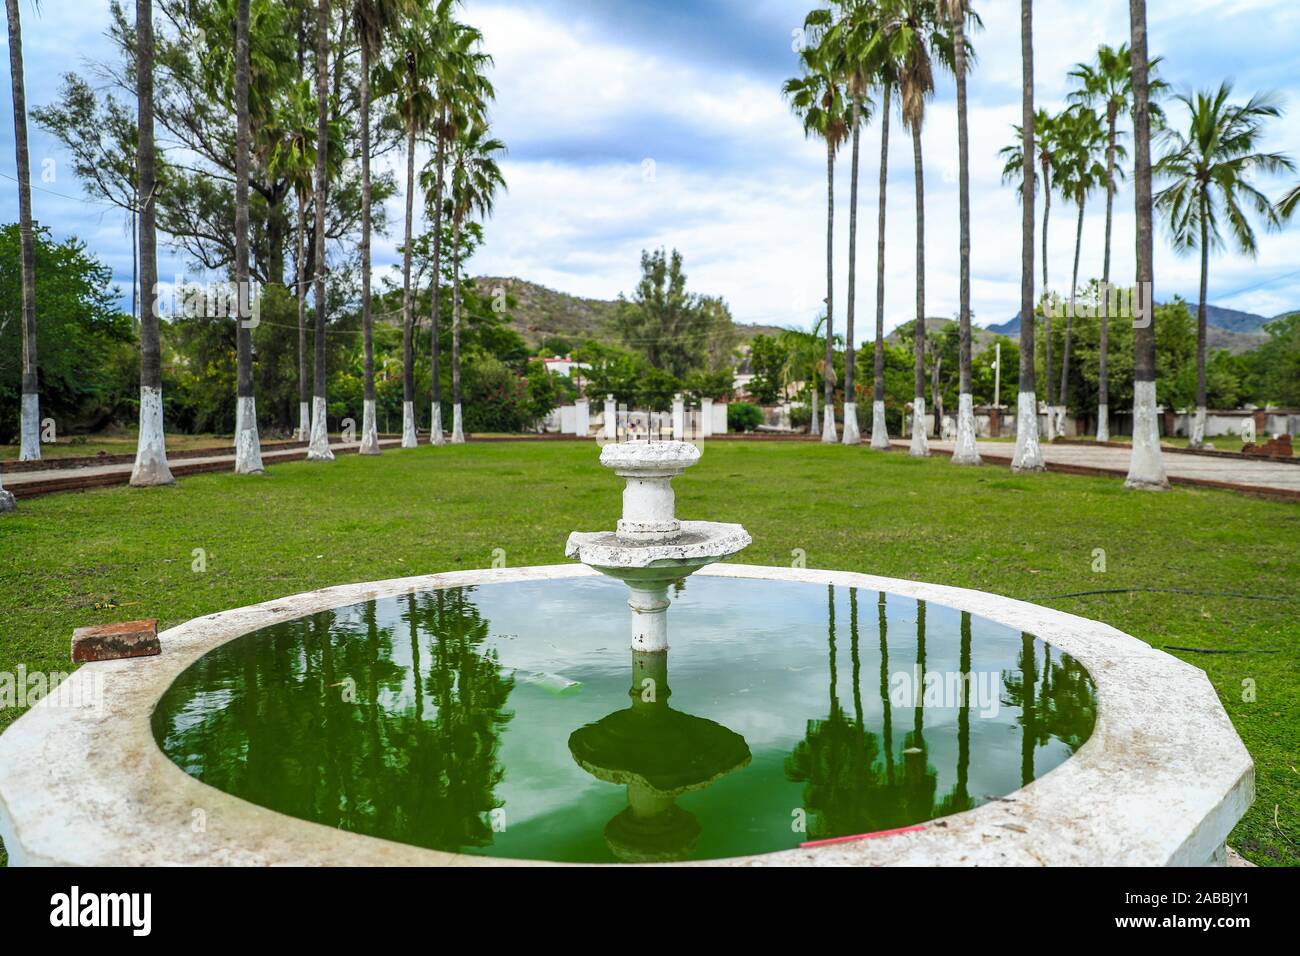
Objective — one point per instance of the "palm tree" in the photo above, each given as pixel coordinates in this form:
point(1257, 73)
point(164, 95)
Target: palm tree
point(31, 402)
point(151, 450)
point(1080, 143)
point(461, 92)
point(318, 448)
point(817, 98)
point(1028, 455)
point(806, 360)
point(292, 156)
point(966, 452)
point(1045, 142)
point(475, 179)
point(885, 75)
point(372, 20)
point(1146, 462)
point(1208, 168)
point(1286, 206)
point(248, 451)
point(1108, 83)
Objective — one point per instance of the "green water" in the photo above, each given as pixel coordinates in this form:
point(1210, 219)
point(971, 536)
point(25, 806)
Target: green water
point(513, 720)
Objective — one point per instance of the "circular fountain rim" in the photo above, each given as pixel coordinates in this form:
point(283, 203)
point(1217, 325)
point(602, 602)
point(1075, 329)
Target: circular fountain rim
point(1161, 781)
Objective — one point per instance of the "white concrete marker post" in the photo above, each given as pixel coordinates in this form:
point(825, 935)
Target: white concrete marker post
point(582, 418)
point(679, 417)
point(706, 418)
point(610, 423)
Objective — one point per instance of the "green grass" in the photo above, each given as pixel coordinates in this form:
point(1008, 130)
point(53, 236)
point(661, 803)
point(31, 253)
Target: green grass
point(306, 526)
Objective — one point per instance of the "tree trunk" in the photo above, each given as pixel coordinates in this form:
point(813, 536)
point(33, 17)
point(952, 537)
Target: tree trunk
point(1047, 312)
point(1103, 373)
point(1063, 395)
point(457, 419)
point(851, 436)
point(1146, 464)
point(435, 424)
point(1198, 425)
point(248, 452)
point(31, 412)
point(408, 346)
point(965, 452)
point(319, 447)
point(1028, 455)
point(920, 447)
point(369, 427)
point(828, 383)
point(304, 390)
point(151, 450)
point(879, 429)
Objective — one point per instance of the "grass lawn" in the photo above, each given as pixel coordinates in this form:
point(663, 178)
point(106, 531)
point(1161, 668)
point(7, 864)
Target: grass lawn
point(306, 526)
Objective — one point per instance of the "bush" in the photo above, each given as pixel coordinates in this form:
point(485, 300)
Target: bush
point(743, 417)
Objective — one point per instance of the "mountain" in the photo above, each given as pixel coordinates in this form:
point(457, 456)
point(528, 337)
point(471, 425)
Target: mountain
point(1228, 329)
point(540, 313)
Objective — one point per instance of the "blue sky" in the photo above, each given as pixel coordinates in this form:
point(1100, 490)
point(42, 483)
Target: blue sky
point(638, 123)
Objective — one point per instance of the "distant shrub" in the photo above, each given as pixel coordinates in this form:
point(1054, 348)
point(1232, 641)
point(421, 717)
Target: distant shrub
point(743, 417)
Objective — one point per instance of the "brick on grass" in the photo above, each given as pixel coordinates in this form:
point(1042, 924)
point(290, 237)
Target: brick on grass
point(110, 642)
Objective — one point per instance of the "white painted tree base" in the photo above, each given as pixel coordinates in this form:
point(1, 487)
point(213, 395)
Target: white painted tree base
point(852, 435)
point(829, 436)
point(966, 451)
point(1103, 423)
point(248, 449)
point(31, 428)
point(1058, 427)
point(409, 439)
point(1029, 453)
point(457, 426)
point(1197, 439)
point(304, 421)
point(318, 448)
point(151, 450)
point(879, 430)
point(436, 434)
point(920, 447)
point(369, 429)
point(1146, 465)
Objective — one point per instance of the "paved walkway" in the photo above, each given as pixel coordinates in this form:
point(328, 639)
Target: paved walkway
point(1261, 475)
point(26, 484)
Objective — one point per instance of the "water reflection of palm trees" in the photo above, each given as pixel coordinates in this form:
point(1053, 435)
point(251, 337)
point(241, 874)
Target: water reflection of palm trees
point(370, 752)
point(1059, 704)
point(658, 753)
point(851, 783)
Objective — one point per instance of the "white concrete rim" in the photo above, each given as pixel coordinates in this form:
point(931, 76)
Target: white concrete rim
point(1161, 781)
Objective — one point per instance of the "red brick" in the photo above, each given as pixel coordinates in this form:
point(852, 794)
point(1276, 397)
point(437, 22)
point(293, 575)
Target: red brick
point(109, 642)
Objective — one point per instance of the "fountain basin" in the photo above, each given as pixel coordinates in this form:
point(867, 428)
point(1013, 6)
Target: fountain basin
point(1161, 780)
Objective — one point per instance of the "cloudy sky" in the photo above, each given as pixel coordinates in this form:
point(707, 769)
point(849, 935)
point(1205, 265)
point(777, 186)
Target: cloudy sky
point(641, 123)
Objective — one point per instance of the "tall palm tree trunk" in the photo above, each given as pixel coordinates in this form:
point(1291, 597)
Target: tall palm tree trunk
point(1198, 423)
point(151, 450)
point(30, 421)
point(1103, 363)
point(1028, 455)
point(435, 421)
point(1146, 463)
point(851, 434)
point(920, 446)
point(248, 450)
point(304, 388)
point(319, 447)
point(1047, 312)
point(965, 452)
point(409, 439)
point(828, 379)
point(369, 425)
point(457, 419)
point(1063, 394)
point(879, 429)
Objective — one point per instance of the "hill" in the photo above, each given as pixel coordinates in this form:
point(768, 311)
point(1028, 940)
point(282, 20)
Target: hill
point(980, 338)
point(541, 312)
point(1226, 328)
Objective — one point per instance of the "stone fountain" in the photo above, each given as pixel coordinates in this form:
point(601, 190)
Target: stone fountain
point(651, 549)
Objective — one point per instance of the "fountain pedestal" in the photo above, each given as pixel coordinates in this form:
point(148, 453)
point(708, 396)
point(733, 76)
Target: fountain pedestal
point(651, 548)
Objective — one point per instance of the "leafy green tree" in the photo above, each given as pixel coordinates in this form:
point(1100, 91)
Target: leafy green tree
point(769, 361)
